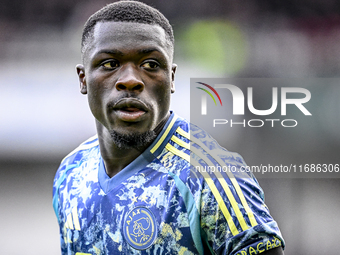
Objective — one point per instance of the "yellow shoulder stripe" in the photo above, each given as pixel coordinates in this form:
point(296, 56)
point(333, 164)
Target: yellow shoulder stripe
point(225, 187)
point(183, 133)
point(180, 142)
point(182, 154)
point(223, 182)
point(211, 185)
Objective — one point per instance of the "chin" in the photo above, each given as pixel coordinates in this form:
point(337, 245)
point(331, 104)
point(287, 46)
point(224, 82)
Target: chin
point(132, 139)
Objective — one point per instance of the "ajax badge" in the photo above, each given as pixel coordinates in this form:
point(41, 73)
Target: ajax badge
point(140, 229)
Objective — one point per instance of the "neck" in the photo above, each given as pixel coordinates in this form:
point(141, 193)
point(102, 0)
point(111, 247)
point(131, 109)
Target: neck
point(115, 158)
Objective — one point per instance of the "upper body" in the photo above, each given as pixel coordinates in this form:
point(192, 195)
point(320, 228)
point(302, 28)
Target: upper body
point(164, 202)
point(130, 189)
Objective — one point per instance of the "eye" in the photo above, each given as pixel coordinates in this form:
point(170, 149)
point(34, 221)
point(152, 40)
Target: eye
point(111, 64)
point(150, 65)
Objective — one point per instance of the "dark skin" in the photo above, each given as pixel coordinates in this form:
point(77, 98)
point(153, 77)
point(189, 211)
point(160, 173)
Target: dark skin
point(128, 76)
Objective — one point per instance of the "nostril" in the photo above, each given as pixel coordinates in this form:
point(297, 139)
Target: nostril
point(132, 86)
point(138, 87)
point(121, 86)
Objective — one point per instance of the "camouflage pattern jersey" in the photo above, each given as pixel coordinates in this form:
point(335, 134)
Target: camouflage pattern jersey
point(167, 201)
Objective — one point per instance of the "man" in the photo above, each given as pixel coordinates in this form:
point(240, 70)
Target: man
point(133, 188)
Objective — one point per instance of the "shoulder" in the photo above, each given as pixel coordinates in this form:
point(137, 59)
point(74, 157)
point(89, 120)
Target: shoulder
point(79, 152)
point(77, 165)
point(205, 145)
point(228, 198)
point(85, 152)
point(87, 145)
point(191, 146)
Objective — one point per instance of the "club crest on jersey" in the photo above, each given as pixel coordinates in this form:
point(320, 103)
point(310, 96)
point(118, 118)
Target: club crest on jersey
point(140, 229)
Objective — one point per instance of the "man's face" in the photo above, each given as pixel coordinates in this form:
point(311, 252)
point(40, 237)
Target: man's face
point(128, 76)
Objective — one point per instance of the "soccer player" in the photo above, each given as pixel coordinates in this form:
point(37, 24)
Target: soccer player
point(140, 186)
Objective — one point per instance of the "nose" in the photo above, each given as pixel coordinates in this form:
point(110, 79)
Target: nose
point(129, 79)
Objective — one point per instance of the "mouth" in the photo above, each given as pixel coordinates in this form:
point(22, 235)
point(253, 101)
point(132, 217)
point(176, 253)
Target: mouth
point(130, 109)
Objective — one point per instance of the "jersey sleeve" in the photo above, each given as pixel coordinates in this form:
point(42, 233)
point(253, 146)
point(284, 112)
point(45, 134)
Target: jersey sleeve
point(235, 219)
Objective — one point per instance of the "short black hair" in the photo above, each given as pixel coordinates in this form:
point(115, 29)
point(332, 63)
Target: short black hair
point(127, 11)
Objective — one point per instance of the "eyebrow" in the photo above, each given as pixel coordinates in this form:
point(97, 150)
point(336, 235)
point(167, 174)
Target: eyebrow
point(147, 51)
point(115, 52)
point(111, 52)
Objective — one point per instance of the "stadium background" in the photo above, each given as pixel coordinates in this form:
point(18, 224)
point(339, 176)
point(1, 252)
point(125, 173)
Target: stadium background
point(43, 116)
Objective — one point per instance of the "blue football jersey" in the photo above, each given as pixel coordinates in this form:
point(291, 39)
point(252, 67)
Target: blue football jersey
point(174, 198)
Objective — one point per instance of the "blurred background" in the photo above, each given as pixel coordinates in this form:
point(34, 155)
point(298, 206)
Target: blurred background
point(43, 115)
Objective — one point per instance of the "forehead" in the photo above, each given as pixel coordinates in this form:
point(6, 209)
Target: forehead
point(127, 36)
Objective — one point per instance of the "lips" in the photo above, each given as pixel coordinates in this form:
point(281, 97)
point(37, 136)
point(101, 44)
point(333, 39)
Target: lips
point(129, 109)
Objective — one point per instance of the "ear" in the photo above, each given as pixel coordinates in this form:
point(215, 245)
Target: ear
point(81, 76)
point(173, 71)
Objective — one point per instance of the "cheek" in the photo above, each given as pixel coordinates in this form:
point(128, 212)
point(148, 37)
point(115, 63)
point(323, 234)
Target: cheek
point(163, 93)
point(94, 105)
point(94, 96)
point(98, 86)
